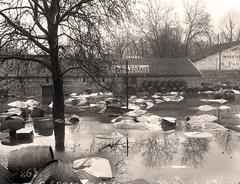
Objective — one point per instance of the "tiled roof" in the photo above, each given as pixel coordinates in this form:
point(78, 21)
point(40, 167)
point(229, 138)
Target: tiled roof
point(212, 50)
point(165, 66)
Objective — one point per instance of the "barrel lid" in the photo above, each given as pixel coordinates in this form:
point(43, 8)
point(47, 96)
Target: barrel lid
point(45, 174)
point(55, 172)
point(5, 175)
point(170, 119)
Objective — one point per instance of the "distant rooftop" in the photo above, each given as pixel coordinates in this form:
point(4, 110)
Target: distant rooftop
point(212, 50)
point(165, 66)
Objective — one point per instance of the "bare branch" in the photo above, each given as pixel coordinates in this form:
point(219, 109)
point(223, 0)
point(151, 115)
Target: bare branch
point(27, 58)
point(24, 32)
point(76, 6)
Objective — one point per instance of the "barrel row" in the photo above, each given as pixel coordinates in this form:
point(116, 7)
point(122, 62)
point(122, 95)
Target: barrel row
point(166, 84)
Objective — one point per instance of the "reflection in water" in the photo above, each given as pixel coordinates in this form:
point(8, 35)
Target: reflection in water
point(228, 140)
point(158, 151)
point(194, 150)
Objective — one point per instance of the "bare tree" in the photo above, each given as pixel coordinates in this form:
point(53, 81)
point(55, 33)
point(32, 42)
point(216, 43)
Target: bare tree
point(43, 26)
point(159, 26)
point(230, 31)
point(197, 22)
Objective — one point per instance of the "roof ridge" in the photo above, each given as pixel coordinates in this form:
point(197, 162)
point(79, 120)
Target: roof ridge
point(212, 50)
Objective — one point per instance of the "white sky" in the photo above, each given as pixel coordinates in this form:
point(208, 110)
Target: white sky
point(216, 8)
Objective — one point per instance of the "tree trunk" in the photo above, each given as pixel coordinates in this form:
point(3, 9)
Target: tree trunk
point(58, 94)
point(58, 113)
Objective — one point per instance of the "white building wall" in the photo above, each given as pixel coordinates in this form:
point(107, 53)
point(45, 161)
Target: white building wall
point(228, 59)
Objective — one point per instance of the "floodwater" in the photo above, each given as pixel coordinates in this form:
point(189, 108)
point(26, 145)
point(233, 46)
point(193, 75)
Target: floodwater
point(155, 155)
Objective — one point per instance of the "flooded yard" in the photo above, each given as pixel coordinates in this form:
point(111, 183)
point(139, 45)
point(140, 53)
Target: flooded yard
point(155, 155)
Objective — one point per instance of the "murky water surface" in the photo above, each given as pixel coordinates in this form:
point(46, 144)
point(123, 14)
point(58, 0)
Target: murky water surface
point(157, 156)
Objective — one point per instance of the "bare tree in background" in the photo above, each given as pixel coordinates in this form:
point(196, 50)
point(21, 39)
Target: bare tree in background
point(159, 26)
point(41, 27)
point(197, 22)
point(230, 31)
point(128, 41)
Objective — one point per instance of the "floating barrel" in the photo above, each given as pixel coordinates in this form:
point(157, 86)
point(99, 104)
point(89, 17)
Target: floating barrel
point(189, 90)
point(145, 84)
point(163, 90)
point(25, 162)
point(24, 137)
point(236, 87)
point(181, 89)
point(56, 172)
point(218, 95)
point(5, 176)
point(43, 126)
point(183, 83)
point(150, 83)
point(132, 90)
point(195, 90)
point(178, 84)
point(171, 84)
point(74, 119)
point(3, 92)
point(13, 123)
point(3, 118)
point(75, 101)
point(157, 84)
point(168, 123)
point(174, 89)
point(164, 83)
point(37, 112)
point(229, 96)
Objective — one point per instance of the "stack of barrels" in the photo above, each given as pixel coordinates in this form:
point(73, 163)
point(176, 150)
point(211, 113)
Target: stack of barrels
point(36, 164)
point(164, 86)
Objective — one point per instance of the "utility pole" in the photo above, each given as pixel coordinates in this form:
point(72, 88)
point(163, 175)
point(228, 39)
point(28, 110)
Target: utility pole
point(127, 82)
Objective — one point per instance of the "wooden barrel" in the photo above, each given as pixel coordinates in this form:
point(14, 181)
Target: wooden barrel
point(170, 84)
point(43, 126)
point(12, 123)
point(163, 90)
point(37, 112)
point(218, 95)
point(164, 83)
point(4, 93)
point(24, 137)
point(168, 124)
point(158, 84)
point(145, 84)
point(195, 90)
point(75, 102)
point(150, 83)
point(229, 96)
point(25, 162)
point(178, 84)
point(56, 172)
point(5, 176)
point(3, 117)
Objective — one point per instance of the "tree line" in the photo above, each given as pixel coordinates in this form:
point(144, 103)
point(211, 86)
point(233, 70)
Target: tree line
point(156, 30)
